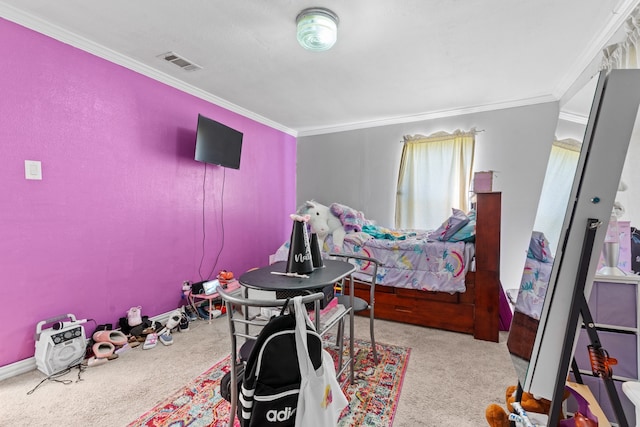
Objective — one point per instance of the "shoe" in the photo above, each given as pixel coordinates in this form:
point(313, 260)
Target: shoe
point(184, 323)
point(150, 342)
point(123, 349)
point(156, 325)
point(150, 327)
point(104, 327)
point(203, 313)
point(174, 320)
point(166, 338)
point(103, 349)
point(114, 337)
point(191, 313)
point(149, 330)
point(134, 318)
point(94, 361)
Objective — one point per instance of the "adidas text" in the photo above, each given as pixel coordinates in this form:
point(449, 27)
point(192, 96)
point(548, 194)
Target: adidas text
point(279, 416)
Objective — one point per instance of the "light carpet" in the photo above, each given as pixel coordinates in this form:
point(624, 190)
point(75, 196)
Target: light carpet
point(372, 397)
point(450, 379)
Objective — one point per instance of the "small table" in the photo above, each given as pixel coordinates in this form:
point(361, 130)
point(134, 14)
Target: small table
point(264, 279)
point(333, 271)
point(231, 286)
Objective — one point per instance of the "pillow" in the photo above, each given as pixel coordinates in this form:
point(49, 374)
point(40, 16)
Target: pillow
point(468, 232)
point(539, 248)
point(452, 225)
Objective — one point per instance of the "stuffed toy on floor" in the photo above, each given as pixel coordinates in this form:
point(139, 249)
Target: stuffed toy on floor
point(498, 417)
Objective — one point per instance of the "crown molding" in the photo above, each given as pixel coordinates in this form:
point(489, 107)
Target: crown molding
point(574, 118)
point(599, 42)
point(41, 26)
point(427, 116)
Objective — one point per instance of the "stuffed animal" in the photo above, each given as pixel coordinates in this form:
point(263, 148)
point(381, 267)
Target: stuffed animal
point(498, 417)
point(323, 223)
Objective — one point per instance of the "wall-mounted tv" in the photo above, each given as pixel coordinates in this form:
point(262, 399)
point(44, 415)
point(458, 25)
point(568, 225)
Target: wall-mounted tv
point(217, 144)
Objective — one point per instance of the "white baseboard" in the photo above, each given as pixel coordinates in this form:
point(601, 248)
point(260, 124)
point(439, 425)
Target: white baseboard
point(17, 368)
point(29, 364)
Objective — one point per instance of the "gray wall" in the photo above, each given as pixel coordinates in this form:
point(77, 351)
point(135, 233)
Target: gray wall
point(359, 168)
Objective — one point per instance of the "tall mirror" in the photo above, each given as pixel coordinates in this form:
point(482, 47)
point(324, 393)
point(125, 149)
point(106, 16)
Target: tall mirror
point(581, 184)
point(552, 210)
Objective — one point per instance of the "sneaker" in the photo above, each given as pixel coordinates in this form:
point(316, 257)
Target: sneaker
point(174, 320)
point(134, 318)
point(150, 342)
point(191, 313)
point(203, 313)
point(166, 338)
point(184, 323)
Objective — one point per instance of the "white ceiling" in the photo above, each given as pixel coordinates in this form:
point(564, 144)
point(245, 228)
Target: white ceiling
point(395, 61)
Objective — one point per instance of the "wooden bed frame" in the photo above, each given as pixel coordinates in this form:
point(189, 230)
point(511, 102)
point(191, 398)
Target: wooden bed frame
point(476, 311)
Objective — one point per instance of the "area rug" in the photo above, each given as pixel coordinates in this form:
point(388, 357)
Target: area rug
point(373, 398)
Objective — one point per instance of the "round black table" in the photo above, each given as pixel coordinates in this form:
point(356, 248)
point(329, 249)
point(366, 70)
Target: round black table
point(264, 279)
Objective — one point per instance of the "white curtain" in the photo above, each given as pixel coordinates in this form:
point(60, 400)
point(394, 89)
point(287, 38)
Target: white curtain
point(556, 189)
point(625, 54)
point(435, 176)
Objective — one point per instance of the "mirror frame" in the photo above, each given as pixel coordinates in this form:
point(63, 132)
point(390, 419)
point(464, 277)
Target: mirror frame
point(609, 129)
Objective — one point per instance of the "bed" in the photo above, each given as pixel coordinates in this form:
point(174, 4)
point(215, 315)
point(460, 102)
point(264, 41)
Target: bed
point(453, 286)
point(531, 294)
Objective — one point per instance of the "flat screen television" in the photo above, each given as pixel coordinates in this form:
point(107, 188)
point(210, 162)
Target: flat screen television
point(218, 144)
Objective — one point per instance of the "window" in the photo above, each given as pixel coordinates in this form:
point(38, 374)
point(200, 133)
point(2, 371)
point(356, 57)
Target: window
point(556, 189)
point(435, 176)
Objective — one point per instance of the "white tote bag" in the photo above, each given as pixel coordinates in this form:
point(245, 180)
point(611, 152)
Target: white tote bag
point(321, 399)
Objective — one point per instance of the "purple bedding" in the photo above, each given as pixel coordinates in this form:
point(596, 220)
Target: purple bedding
point(533, 287)
point(413, 262)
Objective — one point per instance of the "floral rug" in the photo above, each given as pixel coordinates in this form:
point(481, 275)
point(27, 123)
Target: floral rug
point(373, 398)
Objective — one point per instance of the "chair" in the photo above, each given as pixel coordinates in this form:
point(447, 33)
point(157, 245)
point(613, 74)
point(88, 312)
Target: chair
point(250, 328)
point(367, 266)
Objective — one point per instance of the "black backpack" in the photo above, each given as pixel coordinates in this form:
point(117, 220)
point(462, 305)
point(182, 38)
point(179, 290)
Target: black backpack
point(271, 382)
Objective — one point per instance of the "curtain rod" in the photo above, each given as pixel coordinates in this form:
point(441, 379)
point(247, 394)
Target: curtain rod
point(409, 138)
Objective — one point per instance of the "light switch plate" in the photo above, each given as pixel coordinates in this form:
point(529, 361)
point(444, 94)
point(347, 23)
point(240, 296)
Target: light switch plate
point(32, 169)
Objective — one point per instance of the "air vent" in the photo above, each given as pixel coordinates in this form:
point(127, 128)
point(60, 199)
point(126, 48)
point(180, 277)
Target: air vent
point(181, 62)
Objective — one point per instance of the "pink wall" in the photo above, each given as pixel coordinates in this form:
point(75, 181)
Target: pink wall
point(117, 220)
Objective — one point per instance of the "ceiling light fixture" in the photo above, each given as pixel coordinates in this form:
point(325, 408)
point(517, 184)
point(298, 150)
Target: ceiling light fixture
point(317, 28)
